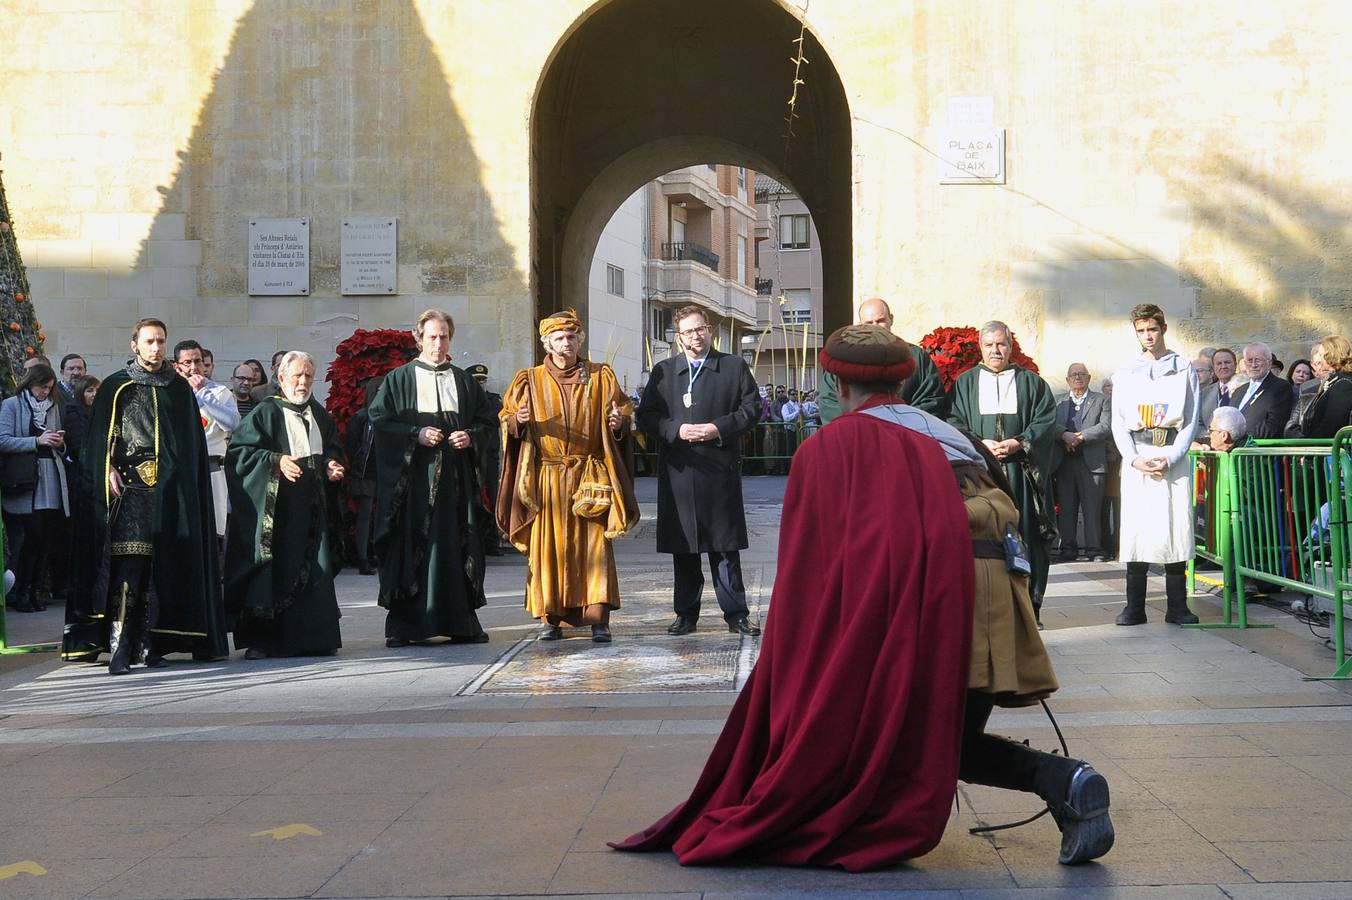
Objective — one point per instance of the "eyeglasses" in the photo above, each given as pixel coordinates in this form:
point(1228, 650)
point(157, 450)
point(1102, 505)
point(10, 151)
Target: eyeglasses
point(691, 332)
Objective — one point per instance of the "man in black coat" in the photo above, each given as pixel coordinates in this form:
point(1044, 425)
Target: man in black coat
point(1266, 400)
point(696, 408)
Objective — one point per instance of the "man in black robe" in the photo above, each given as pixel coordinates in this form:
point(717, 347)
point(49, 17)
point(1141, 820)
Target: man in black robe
point(146, 580)
point(427, 418)
point(279, 559)
point(696, 407)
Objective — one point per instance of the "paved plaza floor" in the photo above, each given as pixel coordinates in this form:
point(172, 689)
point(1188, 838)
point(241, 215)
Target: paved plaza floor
point(502, 769)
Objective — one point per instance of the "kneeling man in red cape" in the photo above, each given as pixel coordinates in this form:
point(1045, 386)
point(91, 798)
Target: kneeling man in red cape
point(872, 691)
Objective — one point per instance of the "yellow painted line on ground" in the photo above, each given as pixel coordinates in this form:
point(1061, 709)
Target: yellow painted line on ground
point(1211, 581)
point(282, 832)
point(25, 867)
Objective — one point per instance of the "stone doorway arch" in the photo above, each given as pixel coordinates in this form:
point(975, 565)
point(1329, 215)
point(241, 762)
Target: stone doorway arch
point(638, 88)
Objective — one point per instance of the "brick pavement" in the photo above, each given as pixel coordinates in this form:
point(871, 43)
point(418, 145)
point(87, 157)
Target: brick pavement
point(427, 772)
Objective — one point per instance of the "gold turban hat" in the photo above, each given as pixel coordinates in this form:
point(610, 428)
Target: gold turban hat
point(563, 320)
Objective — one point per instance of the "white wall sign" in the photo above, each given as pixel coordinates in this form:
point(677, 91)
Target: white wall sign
point(971, 112)
point(279, 256)
point(368, 254)
point(971, 156)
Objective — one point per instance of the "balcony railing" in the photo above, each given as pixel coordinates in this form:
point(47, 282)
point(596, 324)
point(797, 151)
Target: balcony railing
point(765, 286)
point(689, 250)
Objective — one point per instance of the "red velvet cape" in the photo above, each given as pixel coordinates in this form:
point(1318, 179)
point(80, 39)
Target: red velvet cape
point(842, 749)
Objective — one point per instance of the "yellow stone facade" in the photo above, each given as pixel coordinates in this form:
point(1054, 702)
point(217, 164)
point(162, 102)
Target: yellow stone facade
point(1187, 154)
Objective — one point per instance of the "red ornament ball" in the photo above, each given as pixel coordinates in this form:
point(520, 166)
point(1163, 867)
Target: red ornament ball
point(20, 297)
point(13, 326)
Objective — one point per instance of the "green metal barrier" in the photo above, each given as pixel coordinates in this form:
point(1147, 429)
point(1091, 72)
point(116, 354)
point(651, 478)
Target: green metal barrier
point(5, 648)
point(1215, 513)
point(1282, 533)
point(1340, 546)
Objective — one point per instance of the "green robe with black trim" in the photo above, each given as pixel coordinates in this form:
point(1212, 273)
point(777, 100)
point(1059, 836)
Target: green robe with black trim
point(1032, 425)
point(924, 389)
point(430, 503)
point(185, 581)
point(280, 557)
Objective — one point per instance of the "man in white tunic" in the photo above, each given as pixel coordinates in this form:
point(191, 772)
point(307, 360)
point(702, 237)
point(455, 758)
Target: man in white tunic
point(220, 416)
point(1155, 398)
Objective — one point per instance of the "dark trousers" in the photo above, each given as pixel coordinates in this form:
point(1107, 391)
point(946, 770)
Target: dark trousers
point(32, 538)
point(726, 568)
point(1079, 489)
point(365, 505)
point(1003, 763)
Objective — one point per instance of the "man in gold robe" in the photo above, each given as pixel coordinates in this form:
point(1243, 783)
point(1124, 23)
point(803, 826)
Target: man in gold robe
point(567, 487)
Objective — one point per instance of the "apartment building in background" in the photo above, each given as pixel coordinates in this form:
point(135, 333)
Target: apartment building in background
point(687, 238)
point(788, 331)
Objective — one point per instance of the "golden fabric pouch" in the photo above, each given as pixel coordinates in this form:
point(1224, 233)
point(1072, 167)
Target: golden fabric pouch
point(594, 495)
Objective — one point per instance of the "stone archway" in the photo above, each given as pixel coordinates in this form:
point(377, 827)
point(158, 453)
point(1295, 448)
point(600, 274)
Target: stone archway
point(643, 87)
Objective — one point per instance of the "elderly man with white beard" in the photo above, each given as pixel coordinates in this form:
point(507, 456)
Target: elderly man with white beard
point(280, 560)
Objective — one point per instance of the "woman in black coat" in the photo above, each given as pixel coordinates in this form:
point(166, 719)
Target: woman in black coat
point(1331, 408)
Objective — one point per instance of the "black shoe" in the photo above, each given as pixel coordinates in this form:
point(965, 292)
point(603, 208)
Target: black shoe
point(395, 642)
point(480, 638)
point(743, 626)
point(601, 634)
point(550, 633)
point(1086, 830)
point(155, 661)
point(19, 603)
point(1181, 618)
point(682, 625)
point(1099, 557)
point(365, 568)
point(1130, 616)
point(255, 653)
point(203, 656)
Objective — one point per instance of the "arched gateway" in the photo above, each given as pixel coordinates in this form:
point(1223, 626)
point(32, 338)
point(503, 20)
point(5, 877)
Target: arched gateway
point(638, 88)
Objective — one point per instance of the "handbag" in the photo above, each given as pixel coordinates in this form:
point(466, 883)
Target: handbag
point(594, 495)
point(19, 472)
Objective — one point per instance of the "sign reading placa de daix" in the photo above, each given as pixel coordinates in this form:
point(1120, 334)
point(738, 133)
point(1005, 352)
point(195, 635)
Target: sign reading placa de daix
point(971, 156)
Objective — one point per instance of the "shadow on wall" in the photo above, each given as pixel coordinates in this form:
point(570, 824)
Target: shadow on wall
point(1257, 258)
point(323, 111)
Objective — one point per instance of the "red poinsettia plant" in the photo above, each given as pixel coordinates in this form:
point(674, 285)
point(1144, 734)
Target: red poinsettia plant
point(368, 353)
point(955, 350)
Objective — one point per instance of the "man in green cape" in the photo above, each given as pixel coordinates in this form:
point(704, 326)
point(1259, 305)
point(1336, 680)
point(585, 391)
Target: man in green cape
point(1013, 411)
point(924, 390)
point(146, 580)
point(279, 558)
point(427, 418)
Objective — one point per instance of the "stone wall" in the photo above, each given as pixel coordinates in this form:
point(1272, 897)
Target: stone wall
point(1182, 153)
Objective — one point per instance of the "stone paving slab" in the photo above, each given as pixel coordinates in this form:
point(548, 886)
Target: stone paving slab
point(1225, 766)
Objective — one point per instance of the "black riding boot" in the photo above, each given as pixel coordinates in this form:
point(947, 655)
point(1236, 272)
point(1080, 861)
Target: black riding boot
point(1076, 794)
point(145, 650)
point(1176, 591)
point(120, 644)
point(1134, 613)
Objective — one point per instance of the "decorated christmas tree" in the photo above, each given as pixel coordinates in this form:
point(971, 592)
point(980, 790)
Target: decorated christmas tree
point(21, 331)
